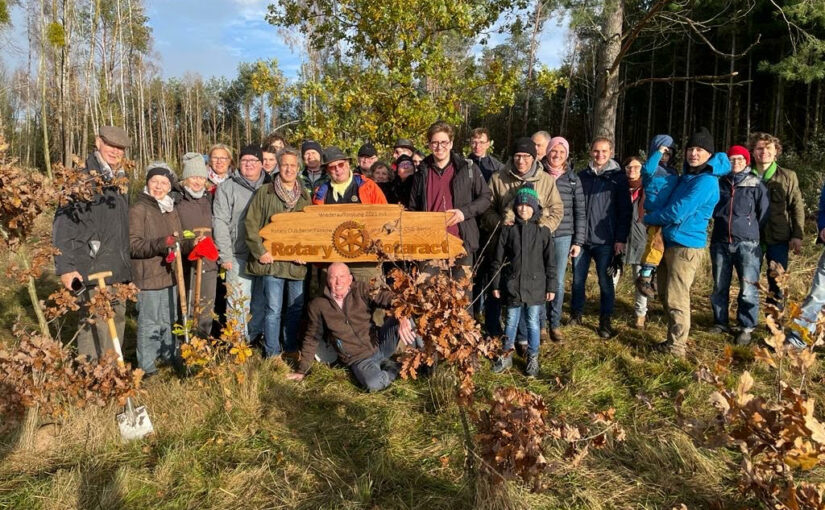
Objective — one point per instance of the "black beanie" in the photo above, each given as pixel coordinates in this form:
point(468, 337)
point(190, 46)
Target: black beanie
point(160, 168)
point(311, 145)
point(251, 150)
point(524, 145)
point(702, 139)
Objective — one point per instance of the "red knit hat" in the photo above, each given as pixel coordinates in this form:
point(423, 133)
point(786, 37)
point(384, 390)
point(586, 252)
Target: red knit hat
point(738, 150)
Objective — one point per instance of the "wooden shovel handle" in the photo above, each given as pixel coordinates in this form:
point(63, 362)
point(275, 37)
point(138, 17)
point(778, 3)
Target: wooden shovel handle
point(110, 322)
point(179, 275)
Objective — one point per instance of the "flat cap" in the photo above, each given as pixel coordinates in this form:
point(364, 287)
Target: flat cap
point(333, 154)
point(115, 136)
point(405, 143)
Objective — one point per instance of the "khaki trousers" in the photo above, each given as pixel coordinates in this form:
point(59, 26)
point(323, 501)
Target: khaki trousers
point(675, 278)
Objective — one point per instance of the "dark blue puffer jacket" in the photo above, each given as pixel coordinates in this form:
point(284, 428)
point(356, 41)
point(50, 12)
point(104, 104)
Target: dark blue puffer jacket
point(742, 208)
point(607, 205)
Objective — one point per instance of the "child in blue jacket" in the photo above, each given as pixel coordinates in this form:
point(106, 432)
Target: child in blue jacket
point(659, 179)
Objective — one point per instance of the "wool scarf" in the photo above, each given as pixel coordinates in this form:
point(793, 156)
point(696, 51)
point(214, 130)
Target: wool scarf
point(288, 196)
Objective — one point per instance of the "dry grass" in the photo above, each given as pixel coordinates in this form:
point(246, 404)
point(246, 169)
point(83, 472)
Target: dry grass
point(269, 443)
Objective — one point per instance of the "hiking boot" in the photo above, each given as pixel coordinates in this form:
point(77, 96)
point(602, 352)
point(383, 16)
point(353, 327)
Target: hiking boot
point(544, 336)
point(743, 338)
point(532, 369)
point(575, 320)
point(644, 284)
point(718, 329)
point(556, 335)
point(639, 323)
point(503, 363)
point(669, 347)
point(605, 329)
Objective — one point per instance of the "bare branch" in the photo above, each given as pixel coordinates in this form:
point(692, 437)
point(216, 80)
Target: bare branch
point(709, 78)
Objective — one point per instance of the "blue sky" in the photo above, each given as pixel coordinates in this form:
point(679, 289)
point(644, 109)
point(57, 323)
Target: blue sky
point(211, 37)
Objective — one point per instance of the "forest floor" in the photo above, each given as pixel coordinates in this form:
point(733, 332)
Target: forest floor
point(323, 443)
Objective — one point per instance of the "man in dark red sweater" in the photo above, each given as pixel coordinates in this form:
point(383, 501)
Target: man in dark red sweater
point(446, 182)
point(343, 318)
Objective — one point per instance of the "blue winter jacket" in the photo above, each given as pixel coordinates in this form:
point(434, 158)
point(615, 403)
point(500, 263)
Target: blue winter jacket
point(742, 208)
point(659, 181)
point(820, 219)
point(685, 217)
point(608, 210)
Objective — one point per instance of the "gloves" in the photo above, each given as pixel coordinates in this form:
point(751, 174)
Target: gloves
point(614, 270)
point(170, 241)
point(170, 257)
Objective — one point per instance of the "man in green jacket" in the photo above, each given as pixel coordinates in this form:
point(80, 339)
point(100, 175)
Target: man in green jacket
point(784, 227)
point(277, 282)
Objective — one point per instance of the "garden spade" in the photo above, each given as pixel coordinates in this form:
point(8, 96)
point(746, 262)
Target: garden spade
point(196, 290)
point(134, 422)
point(181, 292)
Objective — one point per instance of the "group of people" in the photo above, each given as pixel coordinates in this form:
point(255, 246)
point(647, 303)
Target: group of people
point(521, 223)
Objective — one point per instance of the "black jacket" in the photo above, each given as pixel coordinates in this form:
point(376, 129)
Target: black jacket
point(79, 226)
point(488, 165)
point(742, 208)
point(470, 194)
point(530, 273)
point(574, 221)
point(607, 205)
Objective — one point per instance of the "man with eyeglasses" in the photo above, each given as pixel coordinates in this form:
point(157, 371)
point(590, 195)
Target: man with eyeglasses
point(347, 187)
point(228, 226)
point(479, 145)
point(93, 236)
point(448, 183)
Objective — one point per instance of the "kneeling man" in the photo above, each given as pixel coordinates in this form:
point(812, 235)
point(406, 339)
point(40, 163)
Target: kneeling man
point(342, 317)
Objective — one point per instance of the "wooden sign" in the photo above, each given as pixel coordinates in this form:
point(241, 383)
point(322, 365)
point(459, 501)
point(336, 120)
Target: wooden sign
point(357, 232)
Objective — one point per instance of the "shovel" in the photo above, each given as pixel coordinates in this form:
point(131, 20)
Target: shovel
point(181, 292)
point(134, 422)
point(196, 290)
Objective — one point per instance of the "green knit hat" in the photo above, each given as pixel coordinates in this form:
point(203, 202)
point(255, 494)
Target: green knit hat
point(527, 195)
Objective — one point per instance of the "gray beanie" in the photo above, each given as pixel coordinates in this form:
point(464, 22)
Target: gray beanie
point(194, 166)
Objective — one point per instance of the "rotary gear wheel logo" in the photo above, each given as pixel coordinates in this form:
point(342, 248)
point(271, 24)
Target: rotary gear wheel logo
point(350, 239)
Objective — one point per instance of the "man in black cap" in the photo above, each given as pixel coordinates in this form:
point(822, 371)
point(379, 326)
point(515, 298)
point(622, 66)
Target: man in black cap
point(367, 156)
point(93, 236)
point(313, 175)
point(229, 231)
point(684, 219)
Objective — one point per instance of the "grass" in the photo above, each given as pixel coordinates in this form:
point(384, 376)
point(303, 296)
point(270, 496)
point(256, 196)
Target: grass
point(270, 443)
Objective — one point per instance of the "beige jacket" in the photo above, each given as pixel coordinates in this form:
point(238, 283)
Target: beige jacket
point(505, 183)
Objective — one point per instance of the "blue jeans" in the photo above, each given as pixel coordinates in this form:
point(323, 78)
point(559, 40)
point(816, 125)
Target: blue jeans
point(602, 254)
point(514, 314)
point(267, 300)
point(746, 258)
point(240, 286)
point(816, 298)
point(562, 249)
point(775, 253)
point(157, 311)
point(368, 372)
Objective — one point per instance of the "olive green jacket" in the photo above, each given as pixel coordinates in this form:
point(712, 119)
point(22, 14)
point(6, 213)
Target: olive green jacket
point(264, 204)
point(786, 213)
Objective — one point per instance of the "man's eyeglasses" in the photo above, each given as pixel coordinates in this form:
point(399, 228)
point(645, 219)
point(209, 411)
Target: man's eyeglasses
point(249, 161)
point(479, 142)
point(434, 144)
point(336, 166)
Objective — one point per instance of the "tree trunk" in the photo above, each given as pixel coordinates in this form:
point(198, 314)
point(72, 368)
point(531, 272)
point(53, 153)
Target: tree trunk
point(729, 124)
point(44, 120)
point(685, 118)
point(66, 124)
point(649, 129)
point(537, 23)
point(607, 78)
